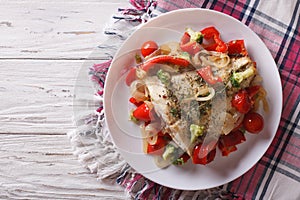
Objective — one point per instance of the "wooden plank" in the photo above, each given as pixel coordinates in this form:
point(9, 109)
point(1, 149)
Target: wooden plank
point(37, 95)
point(54, 29)
point(43, 167)
point(43, 47)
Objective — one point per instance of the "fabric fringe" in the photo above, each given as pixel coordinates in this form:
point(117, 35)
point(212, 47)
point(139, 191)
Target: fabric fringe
point(141, 13)
point(139, 187)
point(91, 140)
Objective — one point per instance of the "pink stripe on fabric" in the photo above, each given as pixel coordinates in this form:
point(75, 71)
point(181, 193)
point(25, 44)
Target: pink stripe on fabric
point(275, 146)
point(229, 8)
point(290, 154)
point(229, 4)
point(290, 92)
point(174, 5)
point(271, 39)
point(239, 186)
point(129, 183)
point(272, 148)
point(166, 194)
point(145, 193)
point(102, 67)
point(219, 7)
point(293, 60)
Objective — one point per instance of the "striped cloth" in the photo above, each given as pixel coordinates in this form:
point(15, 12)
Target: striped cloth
point(277, 174)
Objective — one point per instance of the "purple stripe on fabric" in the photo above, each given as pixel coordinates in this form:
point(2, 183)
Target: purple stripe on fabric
point(252, 12)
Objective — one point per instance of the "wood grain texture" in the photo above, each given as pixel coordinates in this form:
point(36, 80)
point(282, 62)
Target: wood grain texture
point(43, 167)
point(37, 96)
point(43, 48)
point(53, 29)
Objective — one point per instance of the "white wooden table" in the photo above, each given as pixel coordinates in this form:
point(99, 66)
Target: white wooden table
point(43, 44)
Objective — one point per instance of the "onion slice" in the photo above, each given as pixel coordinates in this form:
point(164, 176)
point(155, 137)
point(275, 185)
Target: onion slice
point(161, 163)
point(229, 124)
point(139, 90)
point(206, 98)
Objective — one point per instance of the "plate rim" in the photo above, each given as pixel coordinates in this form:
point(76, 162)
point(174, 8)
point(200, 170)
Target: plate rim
point(277, 78)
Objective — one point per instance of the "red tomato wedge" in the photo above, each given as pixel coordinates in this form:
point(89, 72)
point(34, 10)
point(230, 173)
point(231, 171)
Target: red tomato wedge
point(148, 47)
point(253, 90)
point(253, 122)
point(226, 150)
point(131, 76)
point(192, 47)
point(135, 102)
point(146, 66)
point(241, 101)
point(149, 64)
point(204, 154)
point(157, 148)
point(237, 48)
point(207, 75)
point(142, 113)
point(233, 138)
point(227, 143)
point(218, 44)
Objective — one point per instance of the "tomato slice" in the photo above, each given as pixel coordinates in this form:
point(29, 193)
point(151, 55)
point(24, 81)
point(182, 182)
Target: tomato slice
point(149, 64)
point(207, 74)
point(233, 138)
point(237, 48)
point(210, 32)
point(241, 101)
point(192, 47)
point(218, 44)
point(253, 122)
point(142, 113)
point(131, 76)
point(204, 154)
point(226, 150)
point(253, 90)
point(148, 47)
point(159, 147)
point(185, 157)
point(135, 102)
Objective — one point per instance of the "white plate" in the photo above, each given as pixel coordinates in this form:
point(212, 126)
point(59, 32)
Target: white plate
point(126, 135)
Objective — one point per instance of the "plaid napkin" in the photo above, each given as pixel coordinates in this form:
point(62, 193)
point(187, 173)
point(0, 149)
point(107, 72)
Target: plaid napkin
point(276, 175)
